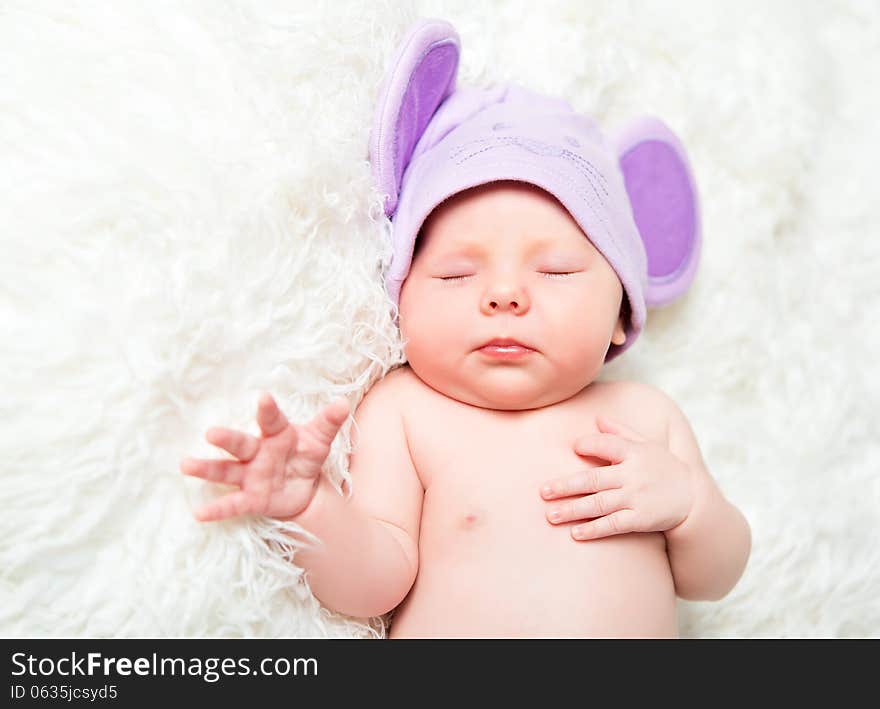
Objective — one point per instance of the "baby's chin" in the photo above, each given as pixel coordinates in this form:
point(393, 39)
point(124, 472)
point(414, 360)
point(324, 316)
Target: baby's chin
point(506, 390)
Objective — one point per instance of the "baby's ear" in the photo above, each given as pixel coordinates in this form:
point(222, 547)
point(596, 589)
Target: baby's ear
point(665, 206)
point(618, 337)
point(421, 75)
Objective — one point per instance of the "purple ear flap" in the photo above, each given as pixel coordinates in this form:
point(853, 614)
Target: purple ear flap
point(665, 205)
point(422, 74)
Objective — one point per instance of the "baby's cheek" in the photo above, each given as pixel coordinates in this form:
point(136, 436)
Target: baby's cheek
point(578, 355)
point(432, 334)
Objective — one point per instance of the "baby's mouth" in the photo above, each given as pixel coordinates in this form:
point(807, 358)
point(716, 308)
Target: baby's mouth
point(505, 352)
point(506, 342)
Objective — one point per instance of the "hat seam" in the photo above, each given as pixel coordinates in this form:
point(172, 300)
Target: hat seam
point(587, 177)
point(503, 141)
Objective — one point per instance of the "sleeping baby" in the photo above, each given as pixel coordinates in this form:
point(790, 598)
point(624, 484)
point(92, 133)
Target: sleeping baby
point(497, 488)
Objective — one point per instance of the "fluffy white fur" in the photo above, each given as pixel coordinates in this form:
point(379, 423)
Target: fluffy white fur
point(188, 219)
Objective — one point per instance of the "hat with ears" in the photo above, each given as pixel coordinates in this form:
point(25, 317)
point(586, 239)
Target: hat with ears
point(632, 193)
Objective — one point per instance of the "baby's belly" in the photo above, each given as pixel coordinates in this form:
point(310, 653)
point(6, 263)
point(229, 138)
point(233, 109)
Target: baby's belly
point(490, 565)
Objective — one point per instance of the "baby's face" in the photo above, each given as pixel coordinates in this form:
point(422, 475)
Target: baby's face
point(503, 239)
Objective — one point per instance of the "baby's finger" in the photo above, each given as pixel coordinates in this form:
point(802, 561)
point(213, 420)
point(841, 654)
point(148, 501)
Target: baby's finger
point(325, 425)
point(607, 425)
point(231, 505)
point(620, 522)
point(583, 482)
point(269, 416)
point(230, 472)
point(242, 445)
point(606, 446)
point(588, 507)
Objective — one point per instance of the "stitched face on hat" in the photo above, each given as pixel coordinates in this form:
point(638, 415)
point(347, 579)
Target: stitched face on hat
point(507, 260)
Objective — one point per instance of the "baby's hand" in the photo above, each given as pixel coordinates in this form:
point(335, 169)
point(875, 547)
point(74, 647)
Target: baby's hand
point(646, 489)
point(279, 472)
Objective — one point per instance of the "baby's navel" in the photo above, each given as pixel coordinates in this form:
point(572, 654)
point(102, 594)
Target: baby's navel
point(471, 519)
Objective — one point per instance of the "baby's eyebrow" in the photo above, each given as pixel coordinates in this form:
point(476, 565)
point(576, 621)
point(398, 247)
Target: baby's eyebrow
point(468, 248)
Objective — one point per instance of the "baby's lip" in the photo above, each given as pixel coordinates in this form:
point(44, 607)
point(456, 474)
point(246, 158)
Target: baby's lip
point(505, 342)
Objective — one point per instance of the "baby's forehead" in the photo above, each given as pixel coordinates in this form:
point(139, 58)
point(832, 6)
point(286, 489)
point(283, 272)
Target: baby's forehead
point(520, 209)
point(472, 241)
point(493, 197)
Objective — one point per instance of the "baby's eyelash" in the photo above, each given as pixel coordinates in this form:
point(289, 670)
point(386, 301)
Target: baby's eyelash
point(549, 274)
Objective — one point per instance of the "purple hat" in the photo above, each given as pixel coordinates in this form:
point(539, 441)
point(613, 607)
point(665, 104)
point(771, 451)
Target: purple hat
point(633, 194)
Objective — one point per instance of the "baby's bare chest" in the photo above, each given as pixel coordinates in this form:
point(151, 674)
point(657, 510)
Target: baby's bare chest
point(490, 473)
point(483, 468)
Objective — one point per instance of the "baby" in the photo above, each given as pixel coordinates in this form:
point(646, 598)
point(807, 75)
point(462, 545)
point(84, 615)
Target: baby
point(498, 489)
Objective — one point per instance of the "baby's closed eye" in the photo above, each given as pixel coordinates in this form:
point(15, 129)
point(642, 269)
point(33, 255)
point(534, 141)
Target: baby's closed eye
point(547, 274)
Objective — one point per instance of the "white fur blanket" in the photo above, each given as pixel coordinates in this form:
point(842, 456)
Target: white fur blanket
point(181, 186)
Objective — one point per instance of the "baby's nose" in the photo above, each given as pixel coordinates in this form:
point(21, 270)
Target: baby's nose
point(514, 299)
point(502, 303)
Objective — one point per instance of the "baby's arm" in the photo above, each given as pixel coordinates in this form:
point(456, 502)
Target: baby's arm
point(709, 550)
point(369, 557)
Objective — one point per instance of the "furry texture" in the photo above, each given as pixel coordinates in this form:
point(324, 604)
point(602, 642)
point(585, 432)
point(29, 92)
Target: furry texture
point(184, 184)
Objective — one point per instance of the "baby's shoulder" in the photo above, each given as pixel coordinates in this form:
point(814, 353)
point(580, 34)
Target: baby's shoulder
point(392, 390)
point(387, 385)
point(639, 405)
point(631, 390)
point(379, 414)
point(398, 380)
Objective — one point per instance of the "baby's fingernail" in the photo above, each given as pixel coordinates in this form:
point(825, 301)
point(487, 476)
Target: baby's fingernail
point(546, 490)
